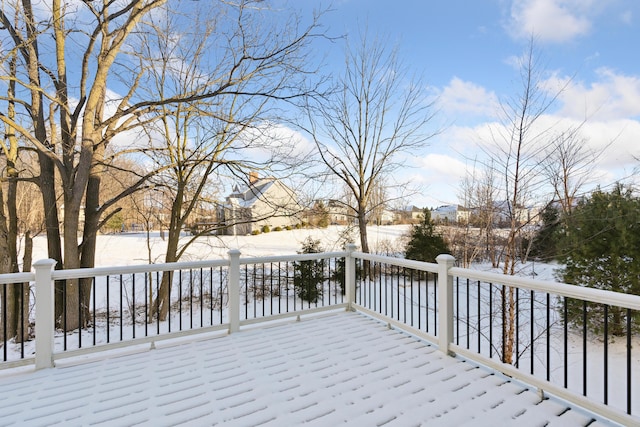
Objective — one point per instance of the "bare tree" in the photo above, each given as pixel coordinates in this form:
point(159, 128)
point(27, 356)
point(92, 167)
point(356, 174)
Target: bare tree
point(17, 294)
point(569, 166)
point(66, 122)
point(516, 151)
point(200, 139)
point(374, 117)
point(70, 117)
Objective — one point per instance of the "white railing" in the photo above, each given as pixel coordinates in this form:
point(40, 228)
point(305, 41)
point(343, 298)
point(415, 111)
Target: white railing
point(205, 296)
point(443, 304)
point(554, 349)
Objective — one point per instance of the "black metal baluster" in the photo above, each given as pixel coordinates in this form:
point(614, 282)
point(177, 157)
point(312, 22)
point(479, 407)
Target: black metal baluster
point(584, 348)
point(517, 343)
point(532, 331)
point(246, 292)
point(255, 290)
point(286, 273)
point(329, 282)
point(411, 290)
point(606, 354)
point(503, 305)
point(190, 298)
point(629, 361)
point(262, 284)
point(180, 300)
point(566, 339)
point(295, 294)
point(468, 317)
point(398, 292)
point(379, 287)
point(121, 307)
point(419, 299)
point(22, 331)
point(404, 292)
point(108, 328)
point(435, 302)
point(169, 289)
point(202, 298)
point(479, 319)
point(491, 321)
point(80, 310)
point(386, 288)
point(279, 288)
point(158, 302)
point(369, 278)
point(93, 285)
point(548, 332)
point(427, 304)
point(64, 316)
point(133, 304)
point(326, 262)
point(146, 304)
point(457, 311)
point(221, 295)
point(4, 322)
point(373, 285)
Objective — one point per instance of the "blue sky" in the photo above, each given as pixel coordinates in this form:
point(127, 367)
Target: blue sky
point(464, 50)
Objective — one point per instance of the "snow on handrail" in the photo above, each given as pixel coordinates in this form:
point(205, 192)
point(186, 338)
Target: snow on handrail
point(601, 296)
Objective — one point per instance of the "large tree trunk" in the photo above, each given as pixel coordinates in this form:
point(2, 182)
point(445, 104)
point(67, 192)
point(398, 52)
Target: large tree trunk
point(18, 293)
point(70, 318)
point(160, 307)
point(362, 227)
point(6, 291)
point(47, 178)
point(89, 239)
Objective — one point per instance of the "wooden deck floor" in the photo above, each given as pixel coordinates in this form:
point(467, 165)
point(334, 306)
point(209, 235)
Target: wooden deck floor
point(344, 368)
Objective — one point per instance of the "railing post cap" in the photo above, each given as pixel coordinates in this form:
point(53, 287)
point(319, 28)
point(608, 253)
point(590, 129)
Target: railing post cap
point(47, 262)
point(445, 258)
point(351, 247)
point(232, 252)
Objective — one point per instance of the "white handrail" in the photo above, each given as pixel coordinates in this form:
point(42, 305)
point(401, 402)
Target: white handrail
point(400, 262)
point(601, 296)
point(79, 273)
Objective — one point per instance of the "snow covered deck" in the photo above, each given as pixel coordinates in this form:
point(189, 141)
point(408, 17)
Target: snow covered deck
point(343, 368)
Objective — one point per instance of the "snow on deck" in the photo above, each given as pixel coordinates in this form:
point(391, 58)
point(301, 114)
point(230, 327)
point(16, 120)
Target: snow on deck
point(345, 368)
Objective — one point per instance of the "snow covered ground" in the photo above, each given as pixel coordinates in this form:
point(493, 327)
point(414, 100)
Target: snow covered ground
point(133, 248)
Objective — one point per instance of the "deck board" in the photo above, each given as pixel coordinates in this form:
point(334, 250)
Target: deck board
point(341, 369)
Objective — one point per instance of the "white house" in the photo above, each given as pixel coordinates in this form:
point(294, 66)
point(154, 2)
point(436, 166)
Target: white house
point(264, 202)
point(339, 212)
point(450, 214)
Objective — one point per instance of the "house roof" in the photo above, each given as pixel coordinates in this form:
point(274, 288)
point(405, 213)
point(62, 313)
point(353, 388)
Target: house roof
point(247, 197)
point(345, 368)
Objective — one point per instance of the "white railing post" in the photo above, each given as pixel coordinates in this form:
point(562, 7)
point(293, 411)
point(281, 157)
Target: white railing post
point(445, 302)
point(350, 276)
point(234, 290)
point(45, 325)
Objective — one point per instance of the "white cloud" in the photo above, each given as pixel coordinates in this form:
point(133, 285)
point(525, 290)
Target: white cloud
point(555, 21)
point(618, 142)
point(438, 177)
point(626, 17)
point(613, 97)
point(463, 97)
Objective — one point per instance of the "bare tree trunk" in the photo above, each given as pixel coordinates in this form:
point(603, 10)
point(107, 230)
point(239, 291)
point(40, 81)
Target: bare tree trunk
point(160, 307)
point(89, 240)
point(8, 291)
point(362, 227)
